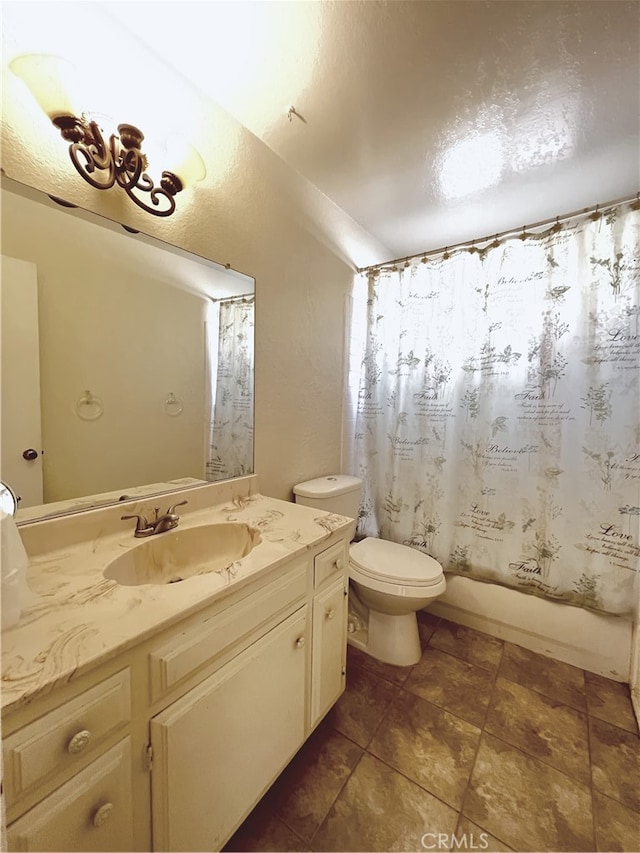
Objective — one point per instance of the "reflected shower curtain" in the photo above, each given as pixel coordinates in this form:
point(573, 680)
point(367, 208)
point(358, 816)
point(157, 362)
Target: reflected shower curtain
point(231, 365)
point(497, 412)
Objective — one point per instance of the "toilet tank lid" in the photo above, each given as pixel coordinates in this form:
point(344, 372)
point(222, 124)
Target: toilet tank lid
point(328, 487)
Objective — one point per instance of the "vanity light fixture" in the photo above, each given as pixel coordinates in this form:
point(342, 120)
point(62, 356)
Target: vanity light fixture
point(120, 160)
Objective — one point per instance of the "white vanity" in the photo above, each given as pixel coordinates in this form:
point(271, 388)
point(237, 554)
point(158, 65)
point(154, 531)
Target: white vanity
point(154, 717)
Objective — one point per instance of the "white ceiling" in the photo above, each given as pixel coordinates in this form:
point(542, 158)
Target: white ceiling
point(418, 124)
point(428, 122)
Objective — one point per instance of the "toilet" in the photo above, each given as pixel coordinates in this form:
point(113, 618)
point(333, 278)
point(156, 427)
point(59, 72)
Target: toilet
point(388, 582)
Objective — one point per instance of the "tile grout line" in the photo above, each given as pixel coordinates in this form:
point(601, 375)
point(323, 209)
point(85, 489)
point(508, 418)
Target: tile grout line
point(590, 721)
point(537, 690)
point(591, 785)
point(613, 725)
point(363, 749)
point(300, 838)
point(413, 781)
point(401, 687)
point(585, 785)
point(546, 762)
point(475, 758)
point(503, 740)
point(463, 660)
point(333, 802)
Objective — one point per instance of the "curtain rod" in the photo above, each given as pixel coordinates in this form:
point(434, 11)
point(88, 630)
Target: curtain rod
point(246, 297)
point(556, 220)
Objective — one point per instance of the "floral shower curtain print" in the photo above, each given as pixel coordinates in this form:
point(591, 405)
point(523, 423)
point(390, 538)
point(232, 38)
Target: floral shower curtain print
point(231, 429)
point(497, 409)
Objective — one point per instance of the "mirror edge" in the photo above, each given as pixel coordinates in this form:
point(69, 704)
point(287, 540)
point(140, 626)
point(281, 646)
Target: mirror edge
point(65, 513)
point(35, 194)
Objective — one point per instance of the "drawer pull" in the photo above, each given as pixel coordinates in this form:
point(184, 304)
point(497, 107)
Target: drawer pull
point(78, 742)
point(102, 815)
point(300, 643)
point(339, 563)
point(330, 613)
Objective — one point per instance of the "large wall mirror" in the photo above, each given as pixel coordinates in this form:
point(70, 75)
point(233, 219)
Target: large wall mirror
point(127, 364)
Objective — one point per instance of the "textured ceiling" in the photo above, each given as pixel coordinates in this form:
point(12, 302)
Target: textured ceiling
point(427, 122)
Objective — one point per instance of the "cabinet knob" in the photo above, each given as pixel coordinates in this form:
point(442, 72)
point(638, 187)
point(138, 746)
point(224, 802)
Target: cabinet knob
point(329, 614)
point(339, 563)
point(78, 742)
point(300, 642)
point(102, 815)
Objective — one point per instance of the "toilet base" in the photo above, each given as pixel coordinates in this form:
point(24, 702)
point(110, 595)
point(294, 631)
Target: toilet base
point(390, 639)
point(394, 639)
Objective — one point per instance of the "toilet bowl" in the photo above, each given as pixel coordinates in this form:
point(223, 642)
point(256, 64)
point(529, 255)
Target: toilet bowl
point(388, 582)
point(393, 582)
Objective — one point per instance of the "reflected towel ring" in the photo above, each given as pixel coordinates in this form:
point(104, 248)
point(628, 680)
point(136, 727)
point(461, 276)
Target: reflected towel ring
point(88, 407)
point(172, 405)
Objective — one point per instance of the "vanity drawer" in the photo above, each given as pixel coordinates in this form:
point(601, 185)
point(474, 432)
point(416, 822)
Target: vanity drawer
point(185, 653)
point(92, 811)
point(329, 563)
point(60, 739)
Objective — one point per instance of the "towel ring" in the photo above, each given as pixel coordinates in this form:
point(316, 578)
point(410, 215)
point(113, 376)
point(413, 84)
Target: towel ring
point(88, 407)
point(173, 405)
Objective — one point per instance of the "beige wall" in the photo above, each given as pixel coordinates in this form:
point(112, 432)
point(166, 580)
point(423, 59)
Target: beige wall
point(254, 213)
point(129, 338)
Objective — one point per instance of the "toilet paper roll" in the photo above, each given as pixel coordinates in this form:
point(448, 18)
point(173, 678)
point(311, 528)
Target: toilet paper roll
point(14, 563)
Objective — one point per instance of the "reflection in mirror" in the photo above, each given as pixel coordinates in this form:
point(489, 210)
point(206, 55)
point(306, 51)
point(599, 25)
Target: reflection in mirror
point(127, 364)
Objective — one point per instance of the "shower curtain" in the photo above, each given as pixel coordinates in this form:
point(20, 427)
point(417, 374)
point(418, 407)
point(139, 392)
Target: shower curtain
point(496, 409)
point(230, 342)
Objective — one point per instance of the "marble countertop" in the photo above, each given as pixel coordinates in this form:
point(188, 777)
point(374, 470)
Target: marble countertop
point(77, 619)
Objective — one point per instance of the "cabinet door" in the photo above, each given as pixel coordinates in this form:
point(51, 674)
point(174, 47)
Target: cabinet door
point(329, 648)
point(217, 749)
point(90, 812)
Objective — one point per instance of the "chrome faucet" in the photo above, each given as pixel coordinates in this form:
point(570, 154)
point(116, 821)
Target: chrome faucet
point(159, 524)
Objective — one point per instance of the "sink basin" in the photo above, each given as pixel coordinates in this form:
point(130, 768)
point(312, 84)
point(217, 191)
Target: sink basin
point(180, 554)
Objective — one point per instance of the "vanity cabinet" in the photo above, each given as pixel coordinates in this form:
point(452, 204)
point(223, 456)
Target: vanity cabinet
point(168, 746)
point(91, 812)
point(58, 743)
point(329, 657)
point(217, 749)
point(220, 746)
point(62, 761)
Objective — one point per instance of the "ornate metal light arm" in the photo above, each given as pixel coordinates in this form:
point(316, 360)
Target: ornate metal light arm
point(121, 161)
point(104, 163)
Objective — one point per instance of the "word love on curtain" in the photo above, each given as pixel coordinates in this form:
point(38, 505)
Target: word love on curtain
point(230, 342)
point(496, 398)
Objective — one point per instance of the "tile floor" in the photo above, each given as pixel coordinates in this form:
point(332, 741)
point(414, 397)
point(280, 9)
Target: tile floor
point(482, 745)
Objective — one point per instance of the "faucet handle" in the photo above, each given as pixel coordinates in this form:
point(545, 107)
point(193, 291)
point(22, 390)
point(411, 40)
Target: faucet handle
point(141, 523)
point(171, 509)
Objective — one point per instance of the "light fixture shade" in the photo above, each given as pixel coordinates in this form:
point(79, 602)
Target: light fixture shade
point(184, 161)
point(50, 81)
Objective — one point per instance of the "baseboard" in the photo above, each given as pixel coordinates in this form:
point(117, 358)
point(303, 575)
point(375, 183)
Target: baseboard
point(596, 642)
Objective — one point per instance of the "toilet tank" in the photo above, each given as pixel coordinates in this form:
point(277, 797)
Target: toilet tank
point(337, 493)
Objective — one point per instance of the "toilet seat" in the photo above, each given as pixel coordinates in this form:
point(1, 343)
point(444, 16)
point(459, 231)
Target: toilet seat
point(387, 562)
